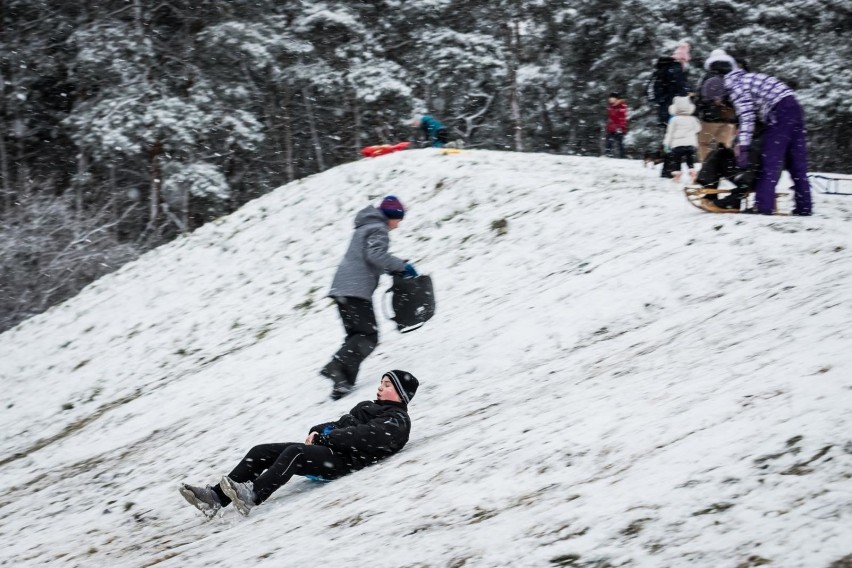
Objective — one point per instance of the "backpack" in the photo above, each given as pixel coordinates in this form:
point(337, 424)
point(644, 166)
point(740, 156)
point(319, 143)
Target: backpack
point(705, 109)
point(413, 301)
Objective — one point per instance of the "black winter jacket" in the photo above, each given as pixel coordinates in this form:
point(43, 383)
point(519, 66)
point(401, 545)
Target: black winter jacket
point(371, 431)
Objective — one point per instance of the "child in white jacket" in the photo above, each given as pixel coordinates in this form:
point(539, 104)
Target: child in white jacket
point(682, 136)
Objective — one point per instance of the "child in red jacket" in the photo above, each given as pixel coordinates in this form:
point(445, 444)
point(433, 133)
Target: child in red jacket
point(616, 126)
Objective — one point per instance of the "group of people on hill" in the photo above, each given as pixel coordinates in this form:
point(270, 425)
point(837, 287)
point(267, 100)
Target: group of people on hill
point(369, 432)
point(741, 125)
point(735, 109)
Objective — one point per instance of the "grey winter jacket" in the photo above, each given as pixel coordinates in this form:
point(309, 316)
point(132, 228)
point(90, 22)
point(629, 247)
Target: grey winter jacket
point(367, 257)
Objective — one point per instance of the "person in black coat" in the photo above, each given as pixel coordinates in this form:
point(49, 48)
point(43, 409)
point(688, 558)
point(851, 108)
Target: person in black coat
point(671, 81)
point(370, 432)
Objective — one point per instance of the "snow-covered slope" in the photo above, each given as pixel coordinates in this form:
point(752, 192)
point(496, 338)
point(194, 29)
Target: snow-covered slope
point(612, 379)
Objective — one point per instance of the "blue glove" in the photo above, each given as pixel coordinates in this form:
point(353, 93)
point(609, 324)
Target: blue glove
point(667, 149)
point(409, 271)
point(742, 156)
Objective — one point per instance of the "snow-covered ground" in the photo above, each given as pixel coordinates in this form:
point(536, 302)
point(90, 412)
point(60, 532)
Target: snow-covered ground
point(613, 379)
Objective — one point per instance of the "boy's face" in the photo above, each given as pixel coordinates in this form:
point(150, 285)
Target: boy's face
point(387, 391)
point(612, 100)
point(393, 224)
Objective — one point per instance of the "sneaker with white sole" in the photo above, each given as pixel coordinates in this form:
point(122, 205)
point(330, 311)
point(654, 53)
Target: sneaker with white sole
point(241, 494)
point(202, 498)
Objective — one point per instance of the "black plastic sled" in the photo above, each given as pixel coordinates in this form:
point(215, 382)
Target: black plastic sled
point(413, 301)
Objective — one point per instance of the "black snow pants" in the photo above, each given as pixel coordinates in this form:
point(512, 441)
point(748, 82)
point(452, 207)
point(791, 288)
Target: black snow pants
point(362, 336)
point(269, 466)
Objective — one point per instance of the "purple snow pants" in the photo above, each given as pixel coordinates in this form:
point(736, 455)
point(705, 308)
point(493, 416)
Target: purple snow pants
point(784, 146)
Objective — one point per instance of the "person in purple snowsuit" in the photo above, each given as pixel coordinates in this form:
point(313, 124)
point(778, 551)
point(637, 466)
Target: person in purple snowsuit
point(758, 96)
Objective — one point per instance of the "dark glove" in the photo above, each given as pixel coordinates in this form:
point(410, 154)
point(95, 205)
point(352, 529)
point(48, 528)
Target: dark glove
point(320, 440)
point(409, 271)
point(742, 156)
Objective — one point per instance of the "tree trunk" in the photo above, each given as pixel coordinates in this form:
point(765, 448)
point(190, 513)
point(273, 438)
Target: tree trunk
point(113, 199)
point(512, 38)
point(186, 220)
point(312, 125)
point(8, 198)
point(546, 125)
point(287, 105)
point(356, 123)
point(23, 169)
point(82, 168)
point(155, 186)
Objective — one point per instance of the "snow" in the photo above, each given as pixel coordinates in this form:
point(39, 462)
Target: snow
point(618, 380)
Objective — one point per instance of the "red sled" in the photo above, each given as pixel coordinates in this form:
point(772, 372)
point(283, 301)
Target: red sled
point(382, 149)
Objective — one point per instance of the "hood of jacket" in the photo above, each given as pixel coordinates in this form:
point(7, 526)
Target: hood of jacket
point(719, 56)
point(370, 215)
point(681, 106)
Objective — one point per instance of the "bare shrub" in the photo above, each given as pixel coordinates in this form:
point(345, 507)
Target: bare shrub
point(49, 251)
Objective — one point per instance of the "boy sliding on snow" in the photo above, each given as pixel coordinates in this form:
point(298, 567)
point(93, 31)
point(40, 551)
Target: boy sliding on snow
point(370, 432)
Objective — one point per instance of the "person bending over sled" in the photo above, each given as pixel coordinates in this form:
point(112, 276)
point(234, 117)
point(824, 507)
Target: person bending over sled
point(370, 432)
point(760, 97)
point(432, 129)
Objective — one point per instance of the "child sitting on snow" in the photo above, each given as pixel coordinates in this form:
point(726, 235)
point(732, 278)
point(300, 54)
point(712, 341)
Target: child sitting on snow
point(681, 137)
point(370, 432)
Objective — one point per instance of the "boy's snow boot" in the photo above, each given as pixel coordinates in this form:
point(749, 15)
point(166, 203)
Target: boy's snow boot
point(241, 494)
point(202, 498)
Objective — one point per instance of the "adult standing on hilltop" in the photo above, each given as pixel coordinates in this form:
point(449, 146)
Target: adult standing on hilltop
point(669, 81)
point(355, 281)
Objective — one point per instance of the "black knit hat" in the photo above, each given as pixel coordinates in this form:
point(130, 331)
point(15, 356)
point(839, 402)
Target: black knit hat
point(405, 384)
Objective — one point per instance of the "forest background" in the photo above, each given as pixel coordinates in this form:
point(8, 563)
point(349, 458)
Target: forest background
point(126, 123)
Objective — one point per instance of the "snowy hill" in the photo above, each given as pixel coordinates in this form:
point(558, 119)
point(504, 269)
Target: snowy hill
point(613, 378)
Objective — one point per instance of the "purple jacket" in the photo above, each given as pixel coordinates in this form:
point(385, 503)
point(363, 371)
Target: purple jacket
point(753, 93)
